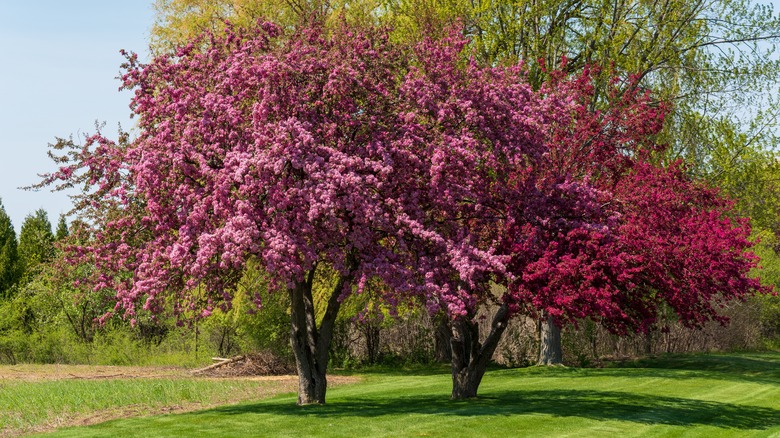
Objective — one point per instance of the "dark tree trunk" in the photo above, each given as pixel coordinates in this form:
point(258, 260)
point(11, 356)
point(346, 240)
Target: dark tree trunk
point(470, 358)
point(372, 332)
point(592, 331)
point(442, 340)
point(309, 343)
point(649, 342)
point(550, 350)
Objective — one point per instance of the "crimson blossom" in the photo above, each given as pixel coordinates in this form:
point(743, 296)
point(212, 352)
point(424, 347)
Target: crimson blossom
point(643, 245)
point(538, 192)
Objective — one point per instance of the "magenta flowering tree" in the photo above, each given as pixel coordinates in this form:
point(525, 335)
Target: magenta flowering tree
point(486, 134)
point(481, 131)
point(591, 272)
point(590, 152)
point(539, 193)
point(636, 242)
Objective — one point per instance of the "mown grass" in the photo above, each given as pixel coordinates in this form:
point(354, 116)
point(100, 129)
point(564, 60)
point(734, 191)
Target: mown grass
point(701, 395)
point(27, 406)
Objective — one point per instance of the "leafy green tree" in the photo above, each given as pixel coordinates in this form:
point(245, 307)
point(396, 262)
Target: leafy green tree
point(36, 243)
point(9, 267)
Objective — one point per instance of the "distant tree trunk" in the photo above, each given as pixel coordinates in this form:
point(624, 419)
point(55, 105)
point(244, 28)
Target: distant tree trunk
point(372, 332)
point(470, 358)
point(309, 343)
point(590, 329)
point(649, 342)
point(550, 350)
point(442, 339)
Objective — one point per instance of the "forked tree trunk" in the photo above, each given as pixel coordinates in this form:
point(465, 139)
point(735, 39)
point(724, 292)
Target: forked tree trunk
point(470, 358)
point(309, 343)
point(550, 350)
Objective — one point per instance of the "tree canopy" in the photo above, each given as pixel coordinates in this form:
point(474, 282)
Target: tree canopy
point(714, 60)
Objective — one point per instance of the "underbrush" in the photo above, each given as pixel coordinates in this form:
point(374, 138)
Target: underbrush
point(112, 346)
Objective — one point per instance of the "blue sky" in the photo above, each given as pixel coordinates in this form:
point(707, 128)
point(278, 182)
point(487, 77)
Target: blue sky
point(58, 64)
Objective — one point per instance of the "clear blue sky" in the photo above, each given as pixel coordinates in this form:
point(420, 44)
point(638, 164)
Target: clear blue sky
point(58, 64)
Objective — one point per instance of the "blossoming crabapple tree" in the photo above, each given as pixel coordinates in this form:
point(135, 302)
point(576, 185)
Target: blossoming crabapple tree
point(557, 203)
point(256, 145)
point(574, 275)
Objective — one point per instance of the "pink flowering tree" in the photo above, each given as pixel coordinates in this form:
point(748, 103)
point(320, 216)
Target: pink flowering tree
point(255, 145)
point(485, 134)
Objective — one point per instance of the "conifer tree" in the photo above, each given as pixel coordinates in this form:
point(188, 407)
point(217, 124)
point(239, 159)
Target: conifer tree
point(8, 254)
point(35, 242)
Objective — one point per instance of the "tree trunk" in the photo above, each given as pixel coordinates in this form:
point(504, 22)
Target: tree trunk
point(550, 350)
point(470, 358)
point(442, 340)
point(649, 342)
point(372, 332)
point(309, 343)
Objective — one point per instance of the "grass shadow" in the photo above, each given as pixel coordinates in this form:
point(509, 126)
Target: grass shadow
point(596, 405)
point(738, 368)
point(396, 370)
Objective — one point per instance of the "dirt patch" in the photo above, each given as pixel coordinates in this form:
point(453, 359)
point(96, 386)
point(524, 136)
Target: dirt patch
point(59, 372)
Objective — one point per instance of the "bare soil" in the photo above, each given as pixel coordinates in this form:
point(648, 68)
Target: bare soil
point(28, 372)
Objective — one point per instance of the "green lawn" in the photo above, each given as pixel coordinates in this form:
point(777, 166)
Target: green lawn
point(702, 395)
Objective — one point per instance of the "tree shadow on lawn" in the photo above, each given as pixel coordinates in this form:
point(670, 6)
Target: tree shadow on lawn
point(727, 363)
point(400, 370)
point(764, 371)
point(595, 405)
point(761, 370)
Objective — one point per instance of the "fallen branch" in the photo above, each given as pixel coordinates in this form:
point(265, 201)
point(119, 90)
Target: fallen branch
point(218, 365)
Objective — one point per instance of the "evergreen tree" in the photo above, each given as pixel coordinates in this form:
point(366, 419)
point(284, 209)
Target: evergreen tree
point(9, 272)
point(62, 229)
point(35, 242)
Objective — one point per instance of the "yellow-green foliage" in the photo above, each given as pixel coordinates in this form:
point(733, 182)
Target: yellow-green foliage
point(176, 21)
point(247, 327)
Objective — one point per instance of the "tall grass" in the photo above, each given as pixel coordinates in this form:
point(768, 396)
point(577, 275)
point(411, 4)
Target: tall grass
point(36, 405)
